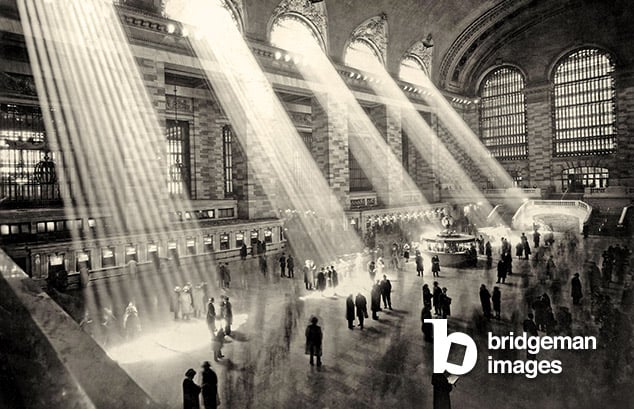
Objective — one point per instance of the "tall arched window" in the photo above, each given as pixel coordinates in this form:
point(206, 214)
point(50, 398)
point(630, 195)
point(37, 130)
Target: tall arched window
point(583, 104)
point(412, 71)
point(503, 114)
point(363, 55)
point(291, 32)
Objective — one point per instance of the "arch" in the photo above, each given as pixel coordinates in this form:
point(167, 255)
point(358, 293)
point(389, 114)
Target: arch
point(313, 15)
point(236, 10)
point(568, 51)
point(361, 54)
point(291, 30)
point(583, 103)
point(374, 33)
point(485, 74)
point(421, 51)
point(503, 113)
point(410, 68)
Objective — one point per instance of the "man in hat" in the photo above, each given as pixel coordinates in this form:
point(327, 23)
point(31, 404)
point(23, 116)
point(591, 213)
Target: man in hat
point(209, 387)
point(576, 290)
point(190, 391)
point(314, 338)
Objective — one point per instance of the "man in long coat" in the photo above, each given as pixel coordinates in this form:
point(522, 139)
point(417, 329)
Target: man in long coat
point(209, 387)
point(375, 300)
point(442, 388)
point(576, 290)
point(362, 308)
point(350, 311)
point(314, 338)
point(485, 300)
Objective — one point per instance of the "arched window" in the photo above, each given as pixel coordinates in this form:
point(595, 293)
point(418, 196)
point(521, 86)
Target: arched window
point(583, 104)
point(412, 71)
point(503, 114)
point(291, 32)
point(576, 179)
point(363, 55)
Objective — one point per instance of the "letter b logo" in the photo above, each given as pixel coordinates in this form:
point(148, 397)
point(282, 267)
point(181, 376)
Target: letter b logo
point(442, 345)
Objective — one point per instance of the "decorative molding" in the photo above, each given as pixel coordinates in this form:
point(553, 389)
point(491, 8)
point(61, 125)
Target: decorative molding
point(17, 84)
point(301, 119)
point(375, 31)
point(179, 104)
point(315, 13)
point(236, 11)
point(423, 54)
point(469, 39)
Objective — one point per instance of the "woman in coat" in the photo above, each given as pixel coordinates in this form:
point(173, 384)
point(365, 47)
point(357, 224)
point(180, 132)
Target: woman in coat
point(190, 391)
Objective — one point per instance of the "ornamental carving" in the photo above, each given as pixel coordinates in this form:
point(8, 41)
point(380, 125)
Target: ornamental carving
point(17, 84)
point(315, 13)
point(236, 11)
point(422, 51)
point(374, 30)
point(178, 104)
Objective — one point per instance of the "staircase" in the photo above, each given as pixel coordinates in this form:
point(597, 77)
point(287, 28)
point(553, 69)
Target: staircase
point(603, 222)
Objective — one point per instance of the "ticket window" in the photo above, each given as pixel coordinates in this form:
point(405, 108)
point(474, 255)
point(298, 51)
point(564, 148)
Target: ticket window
point(191, 246)
point(131, 253)
point(57, 275)
point(153, 253)
point(108, 257)
point(208, 244)
point(83, 260)
point(172, 250)
point(254, 238)
point(224, 242)
point(268, 236)
point(239, 240)
point(56, 264)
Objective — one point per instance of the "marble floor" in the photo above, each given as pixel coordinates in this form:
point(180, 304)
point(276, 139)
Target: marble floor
point(387, 365)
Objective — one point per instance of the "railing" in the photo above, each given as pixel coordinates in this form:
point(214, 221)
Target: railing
point(621, 222)
point(363, 200)
point(568, 204)
point(613, 191)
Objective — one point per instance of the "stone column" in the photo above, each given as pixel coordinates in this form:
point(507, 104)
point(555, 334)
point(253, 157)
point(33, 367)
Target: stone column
point(387, 120)
point(330, 145)
point(539, 134)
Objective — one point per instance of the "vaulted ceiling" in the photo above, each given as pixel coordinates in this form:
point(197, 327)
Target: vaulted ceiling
point(470, 36)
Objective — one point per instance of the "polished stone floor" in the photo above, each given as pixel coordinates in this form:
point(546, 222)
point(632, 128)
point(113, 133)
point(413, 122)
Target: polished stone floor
point(387, 365)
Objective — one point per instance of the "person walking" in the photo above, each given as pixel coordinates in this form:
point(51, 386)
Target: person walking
point(576, 291)
point(191, 391)
point(445, 302)
point(243, 252)
point(501, 271)
point(485, 300)
point(427, 328)
point(217, 342)
point(488, 251)
point(496, 298)
point(290, 266)
point(375, 300)
point(435, 265)
point(361, 304)
point(209, 387)
point(427, 297)
point(211, 316)
point(350, 311)
point(386, 291)
point(442, 388)
point(436, 298)
point(419, 264)
point(314, 338)
point(531, 329)
point(227, 316)
point(282, 261)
